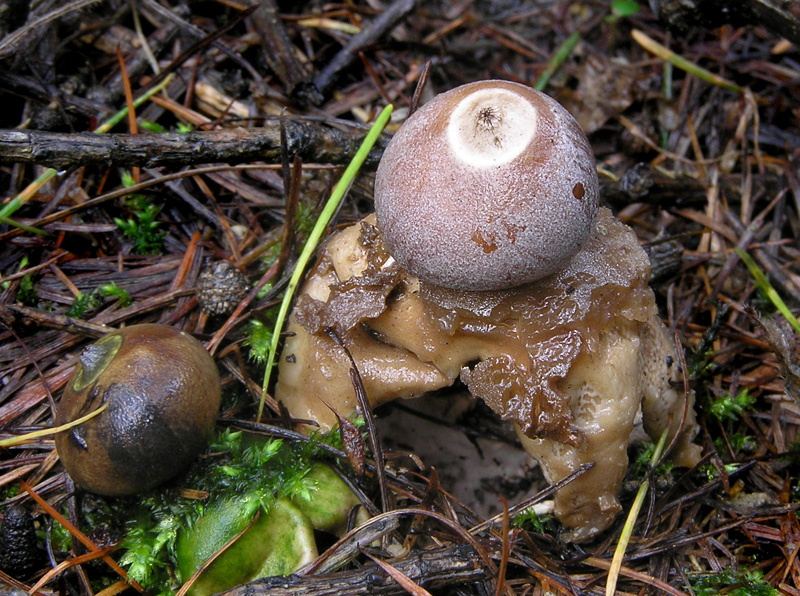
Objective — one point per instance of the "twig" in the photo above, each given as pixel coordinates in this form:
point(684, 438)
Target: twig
point(27, 34)
point(76, 533)
point(43, 318)
point(196, 31)
point(280, 433)
point(537, 498)
point(349, 546)
point(311, 141)
point(314, 91)
point(369, 420)
point(633, 574)
point(777, 15)
point(194, 48)
point(430, 569)
point(279, 51)
point(9, 208)
point(124, 191)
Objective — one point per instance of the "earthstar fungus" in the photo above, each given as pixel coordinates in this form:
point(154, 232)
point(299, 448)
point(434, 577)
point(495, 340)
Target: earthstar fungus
point(163, 394)
point(568, 347)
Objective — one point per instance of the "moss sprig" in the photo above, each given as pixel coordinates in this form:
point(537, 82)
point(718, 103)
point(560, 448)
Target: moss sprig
point(254, 470)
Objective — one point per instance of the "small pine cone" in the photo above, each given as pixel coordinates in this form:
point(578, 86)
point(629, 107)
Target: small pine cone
point(19, 553)
point(220, 288)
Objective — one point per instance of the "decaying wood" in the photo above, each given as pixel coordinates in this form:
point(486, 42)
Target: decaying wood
point(781, 16)
point(311, 141)
point(429, 569)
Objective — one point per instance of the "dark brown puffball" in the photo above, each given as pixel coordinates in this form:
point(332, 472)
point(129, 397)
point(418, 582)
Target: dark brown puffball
point(488, 186)
point(163, 394)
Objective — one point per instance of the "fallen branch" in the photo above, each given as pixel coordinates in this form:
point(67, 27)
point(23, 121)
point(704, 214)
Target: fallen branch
point(778, 16)
point(429, 569)
point(311, 141)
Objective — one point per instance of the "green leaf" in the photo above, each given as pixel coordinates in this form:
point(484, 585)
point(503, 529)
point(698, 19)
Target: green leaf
point(624, 8)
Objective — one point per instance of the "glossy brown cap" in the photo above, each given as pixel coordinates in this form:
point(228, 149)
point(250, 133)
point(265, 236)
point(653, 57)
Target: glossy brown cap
point(163, 393)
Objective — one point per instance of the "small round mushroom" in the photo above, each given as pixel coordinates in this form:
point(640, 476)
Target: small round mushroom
point(503, 172)
point(163, 395)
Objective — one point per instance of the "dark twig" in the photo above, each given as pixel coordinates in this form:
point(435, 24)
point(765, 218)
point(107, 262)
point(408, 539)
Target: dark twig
point(26, 86)
point(279, 51)
point(780, 16)
point(429, 569)
point(349, 546)
point(42, 318)
point(369, 420)
point(194, 48)
point(423, 80)
point(115, 194)
point(315, 90)
point(309, 140)
point(281, 433)
point(199, 33)
point(29, 33)
point(537, 498)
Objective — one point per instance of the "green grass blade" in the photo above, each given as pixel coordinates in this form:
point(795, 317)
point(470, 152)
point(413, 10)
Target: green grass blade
point(316, 235)
point(630, 521)
point(22, 226)
point(652, 46)
point(562, 53)
point(766, 288)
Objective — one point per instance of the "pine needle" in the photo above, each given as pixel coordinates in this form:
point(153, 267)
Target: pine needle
point(560, 56)
point(19, 439)
point(652, 46)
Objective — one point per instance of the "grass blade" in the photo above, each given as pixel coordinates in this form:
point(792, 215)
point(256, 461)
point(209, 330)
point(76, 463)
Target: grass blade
point(316, 235)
